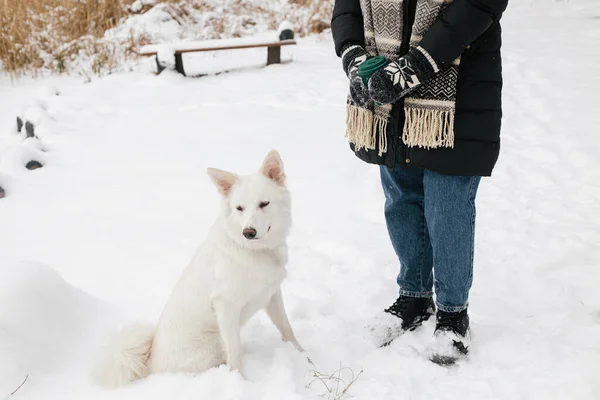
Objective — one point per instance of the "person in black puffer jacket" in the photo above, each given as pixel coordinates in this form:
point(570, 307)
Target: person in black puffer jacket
point(425, 104)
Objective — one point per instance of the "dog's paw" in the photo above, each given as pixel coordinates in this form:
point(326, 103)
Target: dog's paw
point(240, 372)
point(294, 342)
point(236, 371)
point(236, 366)
point(298, 347)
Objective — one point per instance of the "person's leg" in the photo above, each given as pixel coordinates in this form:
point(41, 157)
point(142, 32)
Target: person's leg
point(450, 216)
point(405, 219)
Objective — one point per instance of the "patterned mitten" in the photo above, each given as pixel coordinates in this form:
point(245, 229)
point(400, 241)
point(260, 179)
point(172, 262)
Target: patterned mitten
point(352, 57)
point(397, 79)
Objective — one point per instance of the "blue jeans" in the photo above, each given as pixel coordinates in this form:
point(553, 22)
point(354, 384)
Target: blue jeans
point(431, 221)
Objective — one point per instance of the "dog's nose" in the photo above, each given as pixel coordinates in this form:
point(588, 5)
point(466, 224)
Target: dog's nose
point(249, 233)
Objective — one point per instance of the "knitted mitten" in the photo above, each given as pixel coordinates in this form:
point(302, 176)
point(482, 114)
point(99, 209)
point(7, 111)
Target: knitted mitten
point(397, 79)
point(352, 57)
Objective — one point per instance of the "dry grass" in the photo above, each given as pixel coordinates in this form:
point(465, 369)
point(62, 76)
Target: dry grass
point(319, 16)
point(55, 34)
point(34, 33)
point(336, 385)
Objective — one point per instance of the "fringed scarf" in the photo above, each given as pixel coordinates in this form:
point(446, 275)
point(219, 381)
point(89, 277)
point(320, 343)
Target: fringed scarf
point(430, 108)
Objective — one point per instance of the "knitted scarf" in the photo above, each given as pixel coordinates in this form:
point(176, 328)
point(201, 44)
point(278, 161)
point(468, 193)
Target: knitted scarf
point(429, 109)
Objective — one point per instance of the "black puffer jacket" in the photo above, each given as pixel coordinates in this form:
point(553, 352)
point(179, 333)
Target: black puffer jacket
point(470, 29)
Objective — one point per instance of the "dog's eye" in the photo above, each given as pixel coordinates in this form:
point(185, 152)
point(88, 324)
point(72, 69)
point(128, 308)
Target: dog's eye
point(264, 204)
point(240, 208)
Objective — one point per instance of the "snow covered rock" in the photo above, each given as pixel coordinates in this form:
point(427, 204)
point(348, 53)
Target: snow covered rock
point(33, 164)
point(136, 7)
point(285, 30)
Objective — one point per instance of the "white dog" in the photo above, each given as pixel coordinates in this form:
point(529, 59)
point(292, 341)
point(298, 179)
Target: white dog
point(235, 273)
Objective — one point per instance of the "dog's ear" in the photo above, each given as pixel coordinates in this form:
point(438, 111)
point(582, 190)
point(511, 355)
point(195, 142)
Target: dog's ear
point(223, 180)
point(272, 168)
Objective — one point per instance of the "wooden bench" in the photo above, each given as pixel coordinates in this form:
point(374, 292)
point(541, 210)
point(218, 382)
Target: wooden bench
point(176, 50)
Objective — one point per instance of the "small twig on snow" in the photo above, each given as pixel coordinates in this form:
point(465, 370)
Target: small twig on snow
point(19, 387)
point(339, 387)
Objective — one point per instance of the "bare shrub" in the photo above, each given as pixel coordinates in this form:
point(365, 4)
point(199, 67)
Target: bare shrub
point(336, 385)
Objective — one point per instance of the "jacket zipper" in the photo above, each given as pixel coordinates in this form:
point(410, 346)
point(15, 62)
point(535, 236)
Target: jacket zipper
point(409, 13)
point(406, 29)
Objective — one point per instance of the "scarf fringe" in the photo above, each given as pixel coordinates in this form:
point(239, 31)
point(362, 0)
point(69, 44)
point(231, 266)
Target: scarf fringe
point(429, 129)
point(381, 127)
point(362, 128)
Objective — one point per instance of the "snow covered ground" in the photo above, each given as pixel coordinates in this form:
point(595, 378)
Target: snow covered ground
point(97, 237)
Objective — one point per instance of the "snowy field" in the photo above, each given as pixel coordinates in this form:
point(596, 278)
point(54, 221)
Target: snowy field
point(98, 236)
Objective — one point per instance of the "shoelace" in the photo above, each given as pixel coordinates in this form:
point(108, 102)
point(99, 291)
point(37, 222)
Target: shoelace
point(447, 321)
point(398, 308)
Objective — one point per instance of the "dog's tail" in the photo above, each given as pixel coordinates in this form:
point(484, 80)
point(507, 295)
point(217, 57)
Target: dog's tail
point(126, 358)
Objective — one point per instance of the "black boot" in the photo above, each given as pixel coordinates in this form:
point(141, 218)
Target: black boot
point(406, 314)
point(451, 337)
point(412, 311)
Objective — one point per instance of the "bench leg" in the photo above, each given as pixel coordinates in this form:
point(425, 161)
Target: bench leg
point(273, 55)
point(179, 64)
point(159, 67)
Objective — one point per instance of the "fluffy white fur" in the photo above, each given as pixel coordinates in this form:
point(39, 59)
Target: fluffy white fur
point(228, 280)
